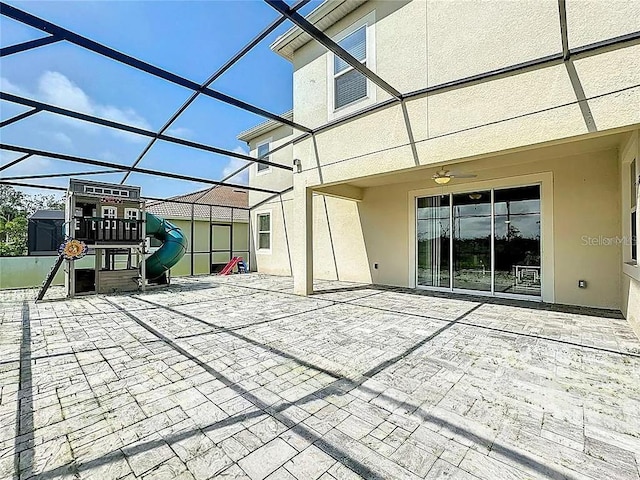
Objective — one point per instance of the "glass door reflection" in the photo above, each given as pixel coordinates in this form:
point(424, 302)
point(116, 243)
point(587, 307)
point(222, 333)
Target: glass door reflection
point(488, 241)
point(517, 240)
point(433, 229)
point(472, 241)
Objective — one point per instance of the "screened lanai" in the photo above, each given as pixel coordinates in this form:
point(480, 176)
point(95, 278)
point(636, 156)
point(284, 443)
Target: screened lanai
point(285, 15)
point(325, 362)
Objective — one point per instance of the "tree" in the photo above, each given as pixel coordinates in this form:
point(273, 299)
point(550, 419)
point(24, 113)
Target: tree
point(15, 208)
point(42, 202)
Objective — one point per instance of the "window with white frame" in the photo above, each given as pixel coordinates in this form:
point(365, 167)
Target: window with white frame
point(349, 85)
point(633, 171)
point(263, 228)
point(263, 149)
point(109, 212)
point(131, 214)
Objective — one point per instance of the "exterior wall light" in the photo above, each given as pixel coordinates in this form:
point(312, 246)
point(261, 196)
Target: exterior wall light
point(298, 164)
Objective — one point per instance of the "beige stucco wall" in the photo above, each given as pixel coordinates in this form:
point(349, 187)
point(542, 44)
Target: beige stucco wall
point(587, 25)
point(276, 179)
point(415, 49)
point(585, 193)
point(338, 240)
point(631, 273)
point(478, 120)
point(350, 237)
point(278, 260)
point(585, 197)
point(500, 128)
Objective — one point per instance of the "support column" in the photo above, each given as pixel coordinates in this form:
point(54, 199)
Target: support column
point(303, 242)
point(143, 267)
point(193, 238)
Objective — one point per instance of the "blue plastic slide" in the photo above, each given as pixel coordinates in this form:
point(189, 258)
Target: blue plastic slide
point(174, 246)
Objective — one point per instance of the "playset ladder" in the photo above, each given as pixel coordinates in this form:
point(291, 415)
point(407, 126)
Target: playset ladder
point(47, 281)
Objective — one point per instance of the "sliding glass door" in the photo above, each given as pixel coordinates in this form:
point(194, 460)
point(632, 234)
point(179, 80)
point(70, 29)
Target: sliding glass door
point(517, 240)
point(433, 228)
point(472, 241)
point(485, 241)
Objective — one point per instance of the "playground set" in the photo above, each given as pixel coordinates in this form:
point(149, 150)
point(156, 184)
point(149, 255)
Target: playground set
point(111, 222)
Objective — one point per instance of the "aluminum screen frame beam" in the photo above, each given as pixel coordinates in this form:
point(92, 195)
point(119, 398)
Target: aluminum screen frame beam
point(145, 171)
point(30, 185)
point(131, 129)
point(217, 74)
point(15, 162)
point(19, 117)
point(318, 35)
point(172, 200)
point(606, 45)
point(91, 45)
point(268, 199)
point(56, 175)
point(153, 199)
point(562, 12)
point(31, 44)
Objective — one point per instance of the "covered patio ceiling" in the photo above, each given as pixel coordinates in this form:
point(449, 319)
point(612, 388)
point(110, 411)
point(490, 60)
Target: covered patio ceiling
point(495, 161)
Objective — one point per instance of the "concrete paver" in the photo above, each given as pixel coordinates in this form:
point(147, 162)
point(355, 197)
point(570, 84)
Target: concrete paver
point(236, 377)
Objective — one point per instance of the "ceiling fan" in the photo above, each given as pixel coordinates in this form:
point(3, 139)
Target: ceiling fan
point(444, 176)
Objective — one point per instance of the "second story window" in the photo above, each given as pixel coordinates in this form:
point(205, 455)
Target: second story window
point(349, 85)
point(263, 149)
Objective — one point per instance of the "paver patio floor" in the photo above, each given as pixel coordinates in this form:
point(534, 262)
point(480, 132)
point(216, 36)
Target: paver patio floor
point(236, 377)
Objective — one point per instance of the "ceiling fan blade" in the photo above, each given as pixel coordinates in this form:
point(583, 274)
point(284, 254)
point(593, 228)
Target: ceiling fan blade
point(462, 175)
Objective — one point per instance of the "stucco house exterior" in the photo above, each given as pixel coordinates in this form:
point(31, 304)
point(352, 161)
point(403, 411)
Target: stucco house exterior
point(530, 125)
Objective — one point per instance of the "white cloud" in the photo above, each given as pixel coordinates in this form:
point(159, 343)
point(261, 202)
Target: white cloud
point(62, 139)
point(7, 86)
point(57, 89)
point(234, 164)
point(108, 156)
point(181, 132)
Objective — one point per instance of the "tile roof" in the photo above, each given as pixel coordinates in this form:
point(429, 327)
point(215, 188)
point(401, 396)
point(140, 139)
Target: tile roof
point(48, 214)
point(221, 196)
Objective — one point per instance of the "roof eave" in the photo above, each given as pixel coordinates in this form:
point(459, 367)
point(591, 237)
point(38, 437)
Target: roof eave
point(262, 128)
point(287, 43)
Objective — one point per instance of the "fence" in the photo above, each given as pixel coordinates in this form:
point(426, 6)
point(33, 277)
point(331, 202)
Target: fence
point(215, 235)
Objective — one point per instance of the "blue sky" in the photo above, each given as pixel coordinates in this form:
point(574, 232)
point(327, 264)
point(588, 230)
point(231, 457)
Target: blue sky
point(189, 38)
